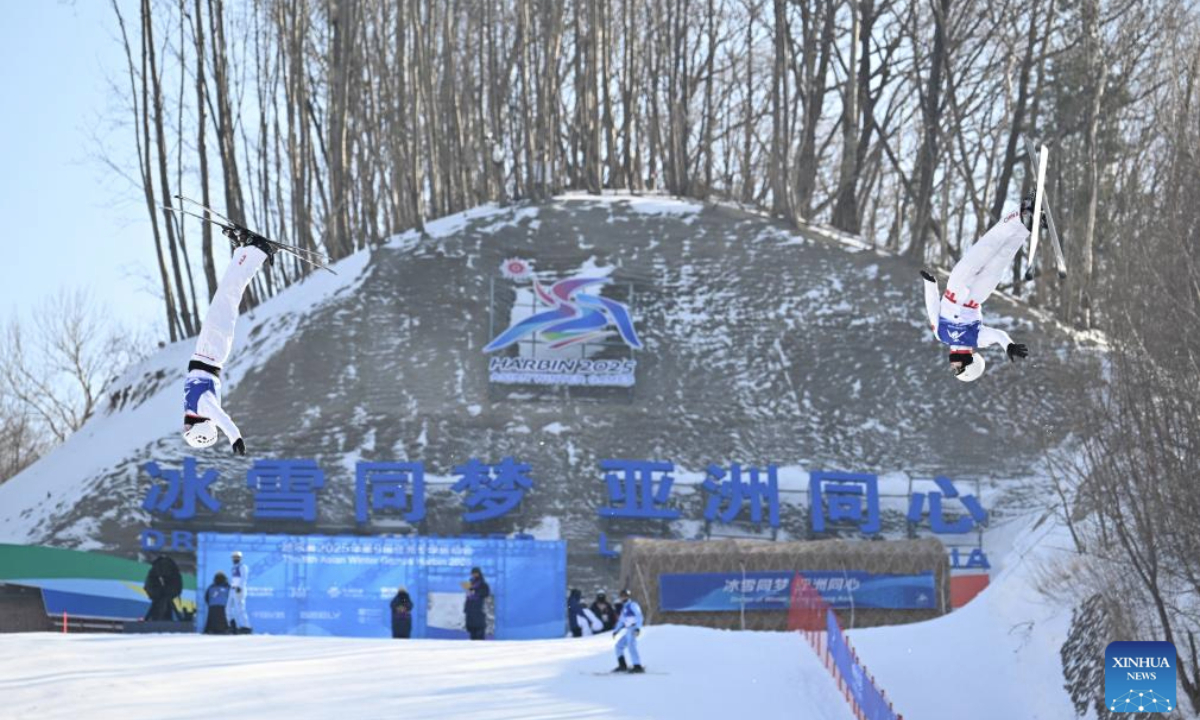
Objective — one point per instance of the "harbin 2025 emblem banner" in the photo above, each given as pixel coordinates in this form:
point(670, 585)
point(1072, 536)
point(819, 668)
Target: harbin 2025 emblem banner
point(570, 332)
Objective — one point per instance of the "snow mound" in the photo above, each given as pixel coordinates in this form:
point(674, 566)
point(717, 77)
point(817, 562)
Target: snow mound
point(998, 656)
point(695, 674)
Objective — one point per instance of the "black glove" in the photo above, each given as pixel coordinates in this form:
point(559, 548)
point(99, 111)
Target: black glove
point(928, 276)
point(616, 631)
point(239, 445)
point(1016, 350)
point(637, 633)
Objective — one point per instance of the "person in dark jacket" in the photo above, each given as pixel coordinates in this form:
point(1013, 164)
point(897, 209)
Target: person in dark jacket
point(474, 607)
point(605, 611)
point(574, 611)
point(402, 614)
point(216, 598)
point(163, 584)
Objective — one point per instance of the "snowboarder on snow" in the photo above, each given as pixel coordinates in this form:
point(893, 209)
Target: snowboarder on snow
point(631, 623)
point(239, 585)
point(202, 413)
point(955, 315)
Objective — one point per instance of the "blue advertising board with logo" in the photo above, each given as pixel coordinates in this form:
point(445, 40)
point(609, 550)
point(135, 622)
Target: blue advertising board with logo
point(702, 592)
point(342, 585)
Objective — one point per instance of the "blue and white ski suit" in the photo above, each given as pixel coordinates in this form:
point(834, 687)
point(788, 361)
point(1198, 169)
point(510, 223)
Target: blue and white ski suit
point(631, 621)
point(202, 389)
point(955, 315)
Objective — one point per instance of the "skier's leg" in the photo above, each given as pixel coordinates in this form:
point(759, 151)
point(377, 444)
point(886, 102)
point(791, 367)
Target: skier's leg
point(965, 281)
point(633, 651)
point(621, 643)
point(216, 336)
point(1010, 239)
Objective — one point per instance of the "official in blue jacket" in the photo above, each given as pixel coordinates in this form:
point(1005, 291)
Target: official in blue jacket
point(216, 598)
point(474, 607)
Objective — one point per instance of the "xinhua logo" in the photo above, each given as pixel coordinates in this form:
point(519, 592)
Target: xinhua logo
point(1139, 676)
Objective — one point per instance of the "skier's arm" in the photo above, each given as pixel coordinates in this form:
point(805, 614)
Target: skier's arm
point(637, 617)
point(210, 409)
point(993, 336)
point(933, 299)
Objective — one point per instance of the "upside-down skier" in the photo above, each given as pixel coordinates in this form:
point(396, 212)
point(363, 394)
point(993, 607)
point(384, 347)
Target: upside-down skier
point(955, 315)
point(202, 412)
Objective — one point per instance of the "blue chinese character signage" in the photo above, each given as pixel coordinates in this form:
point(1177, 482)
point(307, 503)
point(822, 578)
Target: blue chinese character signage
point(839, 497)
point(491, 490)
point(975, 516)
point(184, 489)
point(285, 489)
point(703, 592)
point(389, 487)
point(734, 490)
point(638, 489)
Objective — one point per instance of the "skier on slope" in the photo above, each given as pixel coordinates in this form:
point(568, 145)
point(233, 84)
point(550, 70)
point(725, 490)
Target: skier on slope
point(239, 583)
point(202, 413)
point(955, 315)
point(631, 622)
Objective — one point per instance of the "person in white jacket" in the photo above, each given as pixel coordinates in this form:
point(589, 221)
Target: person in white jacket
point(629, 626)
point(239, 585)
point(956, 315)
point(202, 411)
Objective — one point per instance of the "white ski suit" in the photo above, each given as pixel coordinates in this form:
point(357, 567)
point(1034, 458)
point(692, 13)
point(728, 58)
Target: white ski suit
point(202, 388)
point(955, 315)
point(239, 585)
point(631, 622)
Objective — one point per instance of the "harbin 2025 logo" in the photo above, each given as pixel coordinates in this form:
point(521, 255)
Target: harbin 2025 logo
point(1139, 676)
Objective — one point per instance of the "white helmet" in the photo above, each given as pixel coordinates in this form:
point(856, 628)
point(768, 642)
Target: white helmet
point(237, 555)
point(201, 434)
point(972, 370)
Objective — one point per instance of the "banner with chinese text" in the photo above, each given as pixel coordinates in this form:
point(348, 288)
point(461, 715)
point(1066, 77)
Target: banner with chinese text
point(703, 592)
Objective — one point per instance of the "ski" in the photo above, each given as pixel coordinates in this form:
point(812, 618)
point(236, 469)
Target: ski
point(312, 257)
point(611, 673)
point(224, 221)
point(1037, 164)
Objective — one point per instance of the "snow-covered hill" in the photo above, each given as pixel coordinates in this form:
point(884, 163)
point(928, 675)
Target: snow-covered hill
point(695, 674)
point(761, 345)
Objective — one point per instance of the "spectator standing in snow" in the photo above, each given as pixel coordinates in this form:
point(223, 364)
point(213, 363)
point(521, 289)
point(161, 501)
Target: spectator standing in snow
point(603, 610)
point(474, 606)
point(575, 612)
point(163, 584)
point(628, 627)
point(216, 597)
point(580, 617)
point(402, 614)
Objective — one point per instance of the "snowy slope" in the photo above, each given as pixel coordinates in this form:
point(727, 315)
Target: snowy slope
point(998, 657)
point(707, 675)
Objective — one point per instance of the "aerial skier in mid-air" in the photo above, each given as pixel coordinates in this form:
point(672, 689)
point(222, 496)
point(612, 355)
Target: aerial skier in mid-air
point(955, 315)
point(202, 412)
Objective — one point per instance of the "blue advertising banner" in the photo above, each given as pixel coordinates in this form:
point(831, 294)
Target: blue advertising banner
point(342, 585)
point(700, 592)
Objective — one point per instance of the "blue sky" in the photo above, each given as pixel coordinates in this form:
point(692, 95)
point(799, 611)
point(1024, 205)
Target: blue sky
point(70, 222)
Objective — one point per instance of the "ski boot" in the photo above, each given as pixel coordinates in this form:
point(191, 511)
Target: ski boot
point(621, 666)
point(637, 669)
point(265, 245)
